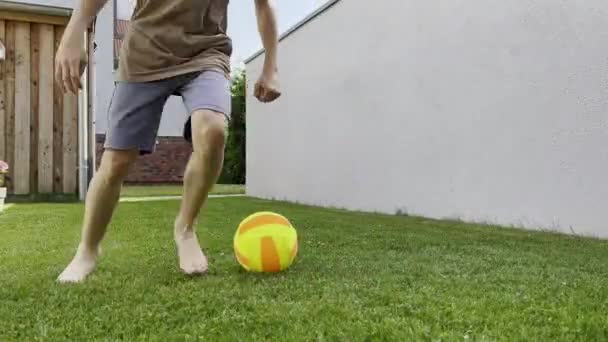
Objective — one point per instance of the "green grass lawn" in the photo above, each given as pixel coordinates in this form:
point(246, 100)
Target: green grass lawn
point(176, 190)
point(359, 277)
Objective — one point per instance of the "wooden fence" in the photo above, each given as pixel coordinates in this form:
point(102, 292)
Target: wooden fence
point(38, 123)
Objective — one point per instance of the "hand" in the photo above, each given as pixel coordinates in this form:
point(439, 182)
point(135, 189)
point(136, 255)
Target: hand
point(69, 64)
point(267, 87)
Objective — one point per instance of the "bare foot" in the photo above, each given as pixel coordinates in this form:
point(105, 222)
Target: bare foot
point(81, 266)
point(192, 261)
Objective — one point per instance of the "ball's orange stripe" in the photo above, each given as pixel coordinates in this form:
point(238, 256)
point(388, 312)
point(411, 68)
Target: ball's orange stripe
point(270, 256)
point(262, 220)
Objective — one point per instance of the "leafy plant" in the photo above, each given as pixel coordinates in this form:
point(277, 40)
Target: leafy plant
point(234, 171)
point(3, 172)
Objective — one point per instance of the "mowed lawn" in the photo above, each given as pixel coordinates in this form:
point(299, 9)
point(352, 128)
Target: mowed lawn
point(176, 190)
point(359, 277)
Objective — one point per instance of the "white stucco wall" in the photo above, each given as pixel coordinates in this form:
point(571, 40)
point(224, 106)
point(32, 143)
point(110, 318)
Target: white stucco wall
point(174, 117)
point(491, 111)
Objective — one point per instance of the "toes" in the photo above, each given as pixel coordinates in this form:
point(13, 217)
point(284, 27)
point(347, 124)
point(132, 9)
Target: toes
point(194, 268)
point(70, 278)
point(77, 271)
point(194, 272)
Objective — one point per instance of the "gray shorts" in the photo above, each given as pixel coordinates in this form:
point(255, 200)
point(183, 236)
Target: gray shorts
point(136, 108)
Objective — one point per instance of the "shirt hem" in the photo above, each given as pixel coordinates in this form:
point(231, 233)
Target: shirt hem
point(165, 74)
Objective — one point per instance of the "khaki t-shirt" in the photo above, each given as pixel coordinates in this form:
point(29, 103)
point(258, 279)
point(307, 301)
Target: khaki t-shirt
point(167, 38)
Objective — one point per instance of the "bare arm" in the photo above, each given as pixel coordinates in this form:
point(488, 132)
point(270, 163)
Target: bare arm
point(267, 27)
point(69, 54)
point(82, 17)
point(267, 88)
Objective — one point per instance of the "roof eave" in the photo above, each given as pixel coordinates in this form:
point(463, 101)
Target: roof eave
point(297, 26)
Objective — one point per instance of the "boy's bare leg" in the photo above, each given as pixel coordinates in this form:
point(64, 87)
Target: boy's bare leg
point(203, 170)
point(101, 200)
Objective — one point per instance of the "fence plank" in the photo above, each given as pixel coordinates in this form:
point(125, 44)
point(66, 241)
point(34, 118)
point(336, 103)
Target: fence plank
point(57, 125)
point(3, 132)
point(22, 108)
point(45, 113)
point(34, 90)
point(9, 78)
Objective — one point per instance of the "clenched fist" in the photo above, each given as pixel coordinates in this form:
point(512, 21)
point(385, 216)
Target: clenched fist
point(267, 87)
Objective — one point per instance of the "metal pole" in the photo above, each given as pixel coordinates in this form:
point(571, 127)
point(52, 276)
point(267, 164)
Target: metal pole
point(91, 106)
point(83, 104)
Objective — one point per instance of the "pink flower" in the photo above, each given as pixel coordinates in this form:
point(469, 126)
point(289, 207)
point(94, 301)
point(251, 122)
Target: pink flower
point(3, 166)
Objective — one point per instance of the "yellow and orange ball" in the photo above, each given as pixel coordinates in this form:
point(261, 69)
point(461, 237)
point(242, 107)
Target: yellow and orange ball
point(265, 242)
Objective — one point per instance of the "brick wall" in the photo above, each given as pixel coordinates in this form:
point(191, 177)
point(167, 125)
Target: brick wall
point(165, 165)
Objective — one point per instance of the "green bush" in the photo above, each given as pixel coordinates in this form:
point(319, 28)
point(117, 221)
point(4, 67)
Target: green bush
point(234, 162)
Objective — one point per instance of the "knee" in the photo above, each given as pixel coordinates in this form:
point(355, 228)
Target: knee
point(115, 165)
point(208, 130)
